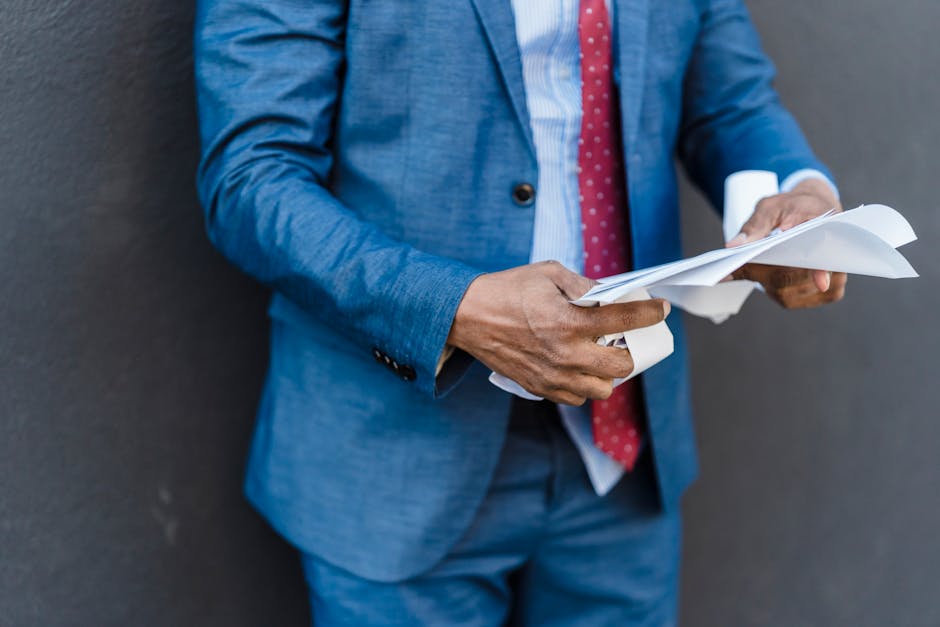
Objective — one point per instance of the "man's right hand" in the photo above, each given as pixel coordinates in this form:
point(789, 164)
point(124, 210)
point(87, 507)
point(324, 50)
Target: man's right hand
point(520, 323)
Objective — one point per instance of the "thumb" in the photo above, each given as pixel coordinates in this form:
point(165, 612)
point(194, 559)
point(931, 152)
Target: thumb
point(571, 284)
point(764, 220)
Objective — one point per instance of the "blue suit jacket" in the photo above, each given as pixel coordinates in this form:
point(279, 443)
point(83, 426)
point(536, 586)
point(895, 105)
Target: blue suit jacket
point(359, 157)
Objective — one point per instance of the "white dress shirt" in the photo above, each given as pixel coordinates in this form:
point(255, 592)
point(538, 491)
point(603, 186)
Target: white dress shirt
point(547, 33)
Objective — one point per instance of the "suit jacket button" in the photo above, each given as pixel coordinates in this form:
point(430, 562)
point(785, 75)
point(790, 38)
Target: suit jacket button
point(378, 355)
point(523, 194)
point(407, 373)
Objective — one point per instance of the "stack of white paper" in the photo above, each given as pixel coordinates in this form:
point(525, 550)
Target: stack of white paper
point(860, 241)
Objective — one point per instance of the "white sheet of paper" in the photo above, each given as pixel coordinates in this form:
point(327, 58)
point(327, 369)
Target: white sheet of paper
point(859, 241)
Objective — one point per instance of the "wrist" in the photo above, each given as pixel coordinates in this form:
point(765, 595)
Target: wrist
point(466, 315)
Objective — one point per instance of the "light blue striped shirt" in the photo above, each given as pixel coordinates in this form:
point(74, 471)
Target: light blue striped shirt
point(547, 33)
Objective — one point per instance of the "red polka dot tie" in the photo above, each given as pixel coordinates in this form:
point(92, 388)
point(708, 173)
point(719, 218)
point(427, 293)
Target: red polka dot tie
point(616, 423)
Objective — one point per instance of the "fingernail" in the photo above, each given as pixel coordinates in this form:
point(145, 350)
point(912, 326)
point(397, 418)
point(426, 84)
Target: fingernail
point(828, 281)
point(666, 308)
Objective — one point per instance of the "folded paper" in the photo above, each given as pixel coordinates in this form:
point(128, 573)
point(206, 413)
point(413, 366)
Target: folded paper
point(860, 241)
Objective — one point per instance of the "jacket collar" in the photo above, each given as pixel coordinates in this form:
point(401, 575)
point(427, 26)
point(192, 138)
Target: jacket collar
point(496, 17)
point(631, 20)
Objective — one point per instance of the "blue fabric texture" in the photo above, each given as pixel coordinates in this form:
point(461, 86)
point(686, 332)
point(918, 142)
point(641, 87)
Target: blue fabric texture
point(359, 158)
point(543, 550)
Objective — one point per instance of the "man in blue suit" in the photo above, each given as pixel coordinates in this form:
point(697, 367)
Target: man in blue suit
point(416, 183)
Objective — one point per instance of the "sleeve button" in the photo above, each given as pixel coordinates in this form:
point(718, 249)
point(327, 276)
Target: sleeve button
point(407, 373)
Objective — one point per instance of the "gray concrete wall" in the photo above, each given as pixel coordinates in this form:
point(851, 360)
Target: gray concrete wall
point(819, 502)
point(131, 355)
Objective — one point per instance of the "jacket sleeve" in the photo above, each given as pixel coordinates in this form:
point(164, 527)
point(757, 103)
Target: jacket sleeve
point(268, 77)
point(732, 118)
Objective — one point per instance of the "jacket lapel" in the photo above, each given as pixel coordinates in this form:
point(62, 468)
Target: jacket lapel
point(496, 17)
point(632, 19)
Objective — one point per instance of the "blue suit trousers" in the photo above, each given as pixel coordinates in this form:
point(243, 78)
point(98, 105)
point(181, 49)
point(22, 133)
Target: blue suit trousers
point(543, 549)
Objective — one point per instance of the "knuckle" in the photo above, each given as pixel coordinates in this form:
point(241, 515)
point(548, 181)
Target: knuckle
point(563, 355)
point(796, 278)
point(605, 390)
point(553, 360)
point(764, 206)
point(568, 321)
point(629, 319)
point(781, 277)
point(626, 366)
point(556, 379)
point(550, 268)
point(601, 364)
point(541, 386)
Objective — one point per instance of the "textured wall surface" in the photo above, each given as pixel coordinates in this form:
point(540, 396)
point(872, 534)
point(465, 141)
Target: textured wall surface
point(819, 501)
point(131, 355)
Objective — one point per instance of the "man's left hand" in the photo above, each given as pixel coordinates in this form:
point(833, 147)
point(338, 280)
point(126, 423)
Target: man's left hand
point(793, 288)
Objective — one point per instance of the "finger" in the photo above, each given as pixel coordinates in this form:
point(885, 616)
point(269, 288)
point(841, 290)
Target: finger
point(551, 386)
point(743, 273)
point(796, 296)
point(571, 284)
point(619, 317)
point(818, 192)
point(778, 277)
point(838, 281)
point(586, 386)
point(822, 279)
point(575, 389)
point(564, 397)
point(800, 214)
point(808, 295)
point(816, 299)
point(765, 219)
point(834, 294)
point(606, 362)
point(837, 288)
